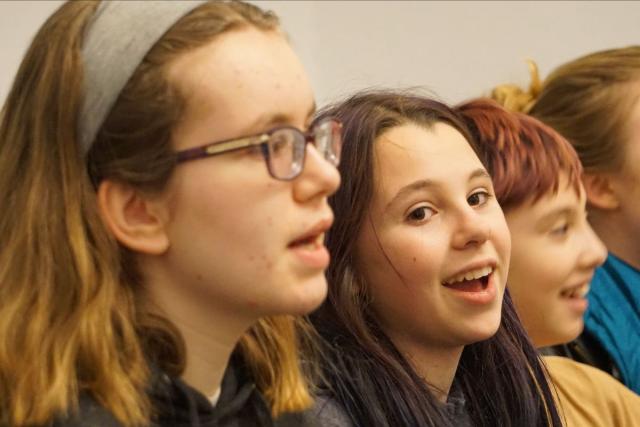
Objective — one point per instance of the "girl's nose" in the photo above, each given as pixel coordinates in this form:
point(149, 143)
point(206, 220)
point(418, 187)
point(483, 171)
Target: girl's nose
point(319, 178)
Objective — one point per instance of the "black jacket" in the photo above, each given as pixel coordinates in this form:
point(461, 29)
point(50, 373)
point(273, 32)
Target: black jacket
point(178, 405)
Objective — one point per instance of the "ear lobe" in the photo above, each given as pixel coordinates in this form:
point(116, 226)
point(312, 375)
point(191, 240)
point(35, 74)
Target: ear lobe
point(132, 218)
point(600, 191)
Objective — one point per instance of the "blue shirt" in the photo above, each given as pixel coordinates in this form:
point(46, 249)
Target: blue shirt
point(613, 316)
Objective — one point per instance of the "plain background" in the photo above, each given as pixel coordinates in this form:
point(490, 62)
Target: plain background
point(456, 50)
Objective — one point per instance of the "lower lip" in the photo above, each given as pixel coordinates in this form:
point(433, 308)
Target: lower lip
point(313, 257)
point(485, 296)
point(578, 305)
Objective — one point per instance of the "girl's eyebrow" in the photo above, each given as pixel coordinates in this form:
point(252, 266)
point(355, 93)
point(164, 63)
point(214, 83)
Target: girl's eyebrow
point(479, 173)
point(410, 188)
point(272, 119)
point(422, 184)
point(311, 114)
point(312, 110)
point(563, 211)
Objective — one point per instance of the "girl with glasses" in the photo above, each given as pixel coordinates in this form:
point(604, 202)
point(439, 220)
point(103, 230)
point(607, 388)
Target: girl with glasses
point(164, 195)
point(419, 327)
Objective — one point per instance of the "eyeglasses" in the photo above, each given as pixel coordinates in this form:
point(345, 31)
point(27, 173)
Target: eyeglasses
point(283, 148)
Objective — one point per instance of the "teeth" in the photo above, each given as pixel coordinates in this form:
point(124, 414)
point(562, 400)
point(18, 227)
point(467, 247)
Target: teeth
point(311, 245)
point(315, 243)
point(583, 291)
point(577, 292)
point(470, 275)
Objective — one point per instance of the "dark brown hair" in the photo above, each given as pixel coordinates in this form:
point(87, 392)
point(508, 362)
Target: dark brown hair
point(502, 378)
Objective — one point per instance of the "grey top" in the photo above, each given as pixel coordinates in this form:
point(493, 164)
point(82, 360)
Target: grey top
point(330, 413)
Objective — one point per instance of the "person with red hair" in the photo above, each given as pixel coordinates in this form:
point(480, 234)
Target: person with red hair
point(537, 180)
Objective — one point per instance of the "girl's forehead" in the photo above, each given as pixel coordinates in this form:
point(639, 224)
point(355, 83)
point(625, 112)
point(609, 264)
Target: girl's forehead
point(432, 153)
point(241, 93)
point(411, 159)
point(245, 65)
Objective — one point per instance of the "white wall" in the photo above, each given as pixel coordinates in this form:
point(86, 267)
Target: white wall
point(19, 21)
point(456, 49)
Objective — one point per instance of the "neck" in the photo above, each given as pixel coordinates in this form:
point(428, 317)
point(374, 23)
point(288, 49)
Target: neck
point(611, 228)
point(207, 353)
point(210, 332)
point(436, 365)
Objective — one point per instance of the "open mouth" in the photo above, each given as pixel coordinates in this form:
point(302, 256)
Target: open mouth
point(471, 281)
point(310, 242)
point(576, 292)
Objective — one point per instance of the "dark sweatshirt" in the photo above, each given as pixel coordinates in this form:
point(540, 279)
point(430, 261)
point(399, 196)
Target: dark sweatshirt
point(179, 405)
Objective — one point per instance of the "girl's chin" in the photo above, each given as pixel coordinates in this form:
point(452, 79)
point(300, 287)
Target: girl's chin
point(303, 297)
point(482, 332)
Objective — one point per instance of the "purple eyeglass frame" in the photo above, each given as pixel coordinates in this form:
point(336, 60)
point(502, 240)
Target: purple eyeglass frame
point(262, 139)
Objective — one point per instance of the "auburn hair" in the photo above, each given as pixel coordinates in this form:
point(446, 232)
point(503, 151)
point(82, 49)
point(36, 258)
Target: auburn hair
point(524, 157)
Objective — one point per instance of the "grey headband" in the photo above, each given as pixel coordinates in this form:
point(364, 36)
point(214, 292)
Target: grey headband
point(119, 36)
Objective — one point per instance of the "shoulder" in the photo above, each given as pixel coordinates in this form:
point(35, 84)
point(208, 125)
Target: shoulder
point(297, 419)
point(585, 349)
point(589, 396)
point(329, 413)
point(568, 370)
point(89, 414)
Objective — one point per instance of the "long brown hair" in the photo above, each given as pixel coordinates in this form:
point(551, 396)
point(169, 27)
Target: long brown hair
point(70, 296)
point(502, 378)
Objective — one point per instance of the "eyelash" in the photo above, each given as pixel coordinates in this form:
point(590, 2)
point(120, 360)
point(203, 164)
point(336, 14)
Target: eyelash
point(561, 230)
point(255, 150)
point(486, 194)
point(412, 218)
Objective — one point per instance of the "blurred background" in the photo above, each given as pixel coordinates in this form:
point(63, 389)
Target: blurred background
point(456, 50)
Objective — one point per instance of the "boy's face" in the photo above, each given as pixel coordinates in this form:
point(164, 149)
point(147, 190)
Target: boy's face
point(554, 255)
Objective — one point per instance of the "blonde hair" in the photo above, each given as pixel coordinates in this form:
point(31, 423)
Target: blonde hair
point(72, 318)
point(588, 100)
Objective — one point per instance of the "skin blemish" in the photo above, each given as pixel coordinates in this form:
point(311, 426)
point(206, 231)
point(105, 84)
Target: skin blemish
point(268, 264)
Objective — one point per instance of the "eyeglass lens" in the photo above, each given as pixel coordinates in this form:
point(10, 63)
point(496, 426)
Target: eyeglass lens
point(287, 148)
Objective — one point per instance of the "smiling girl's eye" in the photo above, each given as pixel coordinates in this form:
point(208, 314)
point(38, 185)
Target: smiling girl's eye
point(421, 214)
point(478, 198)
point(560, 229)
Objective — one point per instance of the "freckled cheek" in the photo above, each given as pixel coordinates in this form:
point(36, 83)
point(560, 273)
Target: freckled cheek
point(261, 245)
point(260, 257)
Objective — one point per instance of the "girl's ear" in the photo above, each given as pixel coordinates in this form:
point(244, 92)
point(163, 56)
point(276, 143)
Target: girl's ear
point(600, 189)
point(134, 220)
